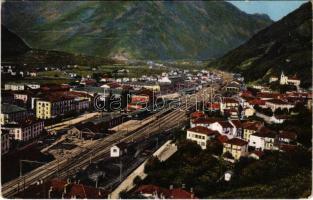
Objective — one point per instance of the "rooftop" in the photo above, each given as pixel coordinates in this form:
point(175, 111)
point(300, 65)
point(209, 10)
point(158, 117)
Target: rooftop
point(203, 130)
point(175, 193)
point(277, 101)
point(11, 108)
point(265, 132)
point(237, 142)
point(225, 124)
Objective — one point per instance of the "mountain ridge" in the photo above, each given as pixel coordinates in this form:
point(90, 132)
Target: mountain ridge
point(134, 30)
point(286, 45)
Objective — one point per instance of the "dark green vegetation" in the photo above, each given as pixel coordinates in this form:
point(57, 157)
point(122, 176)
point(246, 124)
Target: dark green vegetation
point(11, 44)
point(133, 30)
point(15, 50)
point(284, 46)
point(277, 175)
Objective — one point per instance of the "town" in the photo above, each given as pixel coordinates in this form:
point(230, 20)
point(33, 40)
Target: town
point(100, 133)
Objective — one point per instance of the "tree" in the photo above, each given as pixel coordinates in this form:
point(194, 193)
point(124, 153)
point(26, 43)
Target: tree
point(137, 180)
point(278, 111)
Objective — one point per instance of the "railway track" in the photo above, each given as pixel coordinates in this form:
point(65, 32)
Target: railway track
point(164, 119)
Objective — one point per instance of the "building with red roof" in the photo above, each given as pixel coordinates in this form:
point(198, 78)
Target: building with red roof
point(202, 121)
point(278, 103)
point(236, 147)
point(197, 114)
point(201, 135)
point(263, 139)
point(287, 137)
point(156, 192)
point(250, 127)
point(224, 127)
point(62, 189)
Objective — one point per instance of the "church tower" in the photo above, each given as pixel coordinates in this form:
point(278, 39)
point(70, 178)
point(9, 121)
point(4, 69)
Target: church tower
point(283, 79)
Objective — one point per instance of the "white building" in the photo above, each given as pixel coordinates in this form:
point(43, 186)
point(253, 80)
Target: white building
point(263, 139)
point(277, 103)
point(293, 80)
point(118, 150)
point(200, 135)
point(224, 128)
point(14, 86)
point(164, 80)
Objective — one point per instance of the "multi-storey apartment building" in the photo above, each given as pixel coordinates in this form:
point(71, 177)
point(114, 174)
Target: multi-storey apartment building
point(53, 106)
point(26, 130)
point(12, 113)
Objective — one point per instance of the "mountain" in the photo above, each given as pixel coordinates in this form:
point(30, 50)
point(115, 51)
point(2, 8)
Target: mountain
point(284, 46)
point(11, 44)
point(15, 50)
point(157, 30)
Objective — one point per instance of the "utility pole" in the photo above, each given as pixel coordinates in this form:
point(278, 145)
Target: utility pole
point(21, 171)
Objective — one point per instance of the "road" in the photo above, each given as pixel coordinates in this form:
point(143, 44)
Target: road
point(156, 123)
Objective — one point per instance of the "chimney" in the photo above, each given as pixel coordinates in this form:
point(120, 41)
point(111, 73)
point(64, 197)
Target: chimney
point(191, 190)
point(171, 187)
point(183, 186)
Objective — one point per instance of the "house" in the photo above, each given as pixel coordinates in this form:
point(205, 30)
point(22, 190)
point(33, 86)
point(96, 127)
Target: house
point(200, 135)
point(14, 86)
point(26, 130)
point(23, 96)
point(228, 103)
point(164, 80)
point(231, 113)
point(233, 86)
point(236, 147)
point(248, 112)
point(12, 113)
point(289, 80)
point(277, 103)
point(256, 101)
point(150, 85)
point(238, 131)
point(224, 128)
point(263, 139)
point(62, 189)
point(5, 141)
point(196, 115)
point(287, 137)
point(213, 106)
point(118, 150)
point(156, 192)
point(273, 79)
point(267, 96)
point(249, 128)
point(205, 122)
point(32, 86)
point(88, 81)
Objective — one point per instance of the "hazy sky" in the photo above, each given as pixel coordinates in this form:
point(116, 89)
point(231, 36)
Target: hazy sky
point(275, 9)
